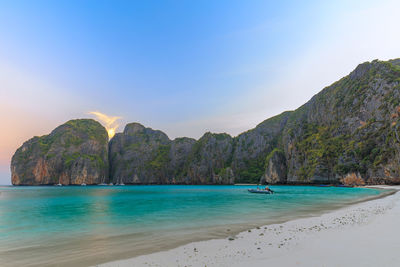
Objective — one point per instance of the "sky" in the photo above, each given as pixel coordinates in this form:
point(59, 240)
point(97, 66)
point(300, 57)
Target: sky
point(183, 67)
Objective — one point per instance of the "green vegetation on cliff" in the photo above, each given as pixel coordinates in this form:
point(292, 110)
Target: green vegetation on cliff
point(351, 126)
point(348, 127)
point(73, 153)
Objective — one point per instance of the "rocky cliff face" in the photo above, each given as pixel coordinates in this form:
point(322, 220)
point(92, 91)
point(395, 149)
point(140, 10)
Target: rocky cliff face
point(209, 162)
point(275, 168)
point(74, 153)
point(351, 126)
point(142, 155)
point(252, 148)
point(138, 155)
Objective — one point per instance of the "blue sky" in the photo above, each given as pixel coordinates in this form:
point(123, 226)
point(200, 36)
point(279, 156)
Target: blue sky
point(185, 67)
point(152, 56)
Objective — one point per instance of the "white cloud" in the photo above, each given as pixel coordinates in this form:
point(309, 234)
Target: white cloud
point(110, 122)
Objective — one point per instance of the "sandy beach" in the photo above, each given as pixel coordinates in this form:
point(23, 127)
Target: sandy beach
point(364, 234)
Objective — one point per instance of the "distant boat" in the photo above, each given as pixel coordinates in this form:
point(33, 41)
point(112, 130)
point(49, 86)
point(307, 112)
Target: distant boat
point(59, 184)
point(83, 184)
point(120, 182)
point(102, 184)
point(110, 184)
point(260, 191)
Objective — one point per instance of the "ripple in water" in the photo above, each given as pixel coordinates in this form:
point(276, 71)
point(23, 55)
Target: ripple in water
point(81, 226)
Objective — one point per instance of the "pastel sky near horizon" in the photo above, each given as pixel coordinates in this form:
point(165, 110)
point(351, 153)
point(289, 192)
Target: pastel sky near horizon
point(184, 67)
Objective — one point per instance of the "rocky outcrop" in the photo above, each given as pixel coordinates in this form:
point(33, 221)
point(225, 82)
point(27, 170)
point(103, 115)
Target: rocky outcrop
point(351, 126)
point(139, 155)
point(209, 161)
point(252, 147)
point(142, 155)
point(74, 153)
point(348, 127)
point(275, 169)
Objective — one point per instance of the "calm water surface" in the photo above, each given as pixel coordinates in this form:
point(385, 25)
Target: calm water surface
point(82, 226)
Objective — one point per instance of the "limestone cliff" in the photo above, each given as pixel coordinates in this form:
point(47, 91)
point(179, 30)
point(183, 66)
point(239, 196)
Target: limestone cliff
point(209, 162)
point(142, 155)
point(275, 168)
point(351, 126)
point(252, 148)
point(73, 153)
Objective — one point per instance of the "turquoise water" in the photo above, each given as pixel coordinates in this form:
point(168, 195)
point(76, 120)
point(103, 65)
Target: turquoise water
point(81, 226)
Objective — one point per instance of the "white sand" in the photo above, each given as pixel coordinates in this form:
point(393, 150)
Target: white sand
point(365, 234)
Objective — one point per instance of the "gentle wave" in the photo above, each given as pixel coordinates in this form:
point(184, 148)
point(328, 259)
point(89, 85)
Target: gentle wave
point(81, 226)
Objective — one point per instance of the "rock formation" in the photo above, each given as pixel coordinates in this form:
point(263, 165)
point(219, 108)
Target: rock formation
point(73, 153)
point(209, 160)
point(351, 126)
point(142, 155)
point(275, 168)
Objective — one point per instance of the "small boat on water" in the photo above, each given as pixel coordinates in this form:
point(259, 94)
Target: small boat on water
point(83, 184)
point(59, 184)
point(260, 191)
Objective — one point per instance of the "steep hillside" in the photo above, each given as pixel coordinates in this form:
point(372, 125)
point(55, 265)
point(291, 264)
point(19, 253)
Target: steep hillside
point(351, 126)
point(142, 155)
point(73, 153)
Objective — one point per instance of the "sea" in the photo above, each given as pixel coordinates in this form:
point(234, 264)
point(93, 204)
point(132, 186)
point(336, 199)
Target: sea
point(88, 225)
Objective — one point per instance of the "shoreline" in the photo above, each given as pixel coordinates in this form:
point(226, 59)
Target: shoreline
point(336, 184)
point(198, 253)
point(235, 184)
